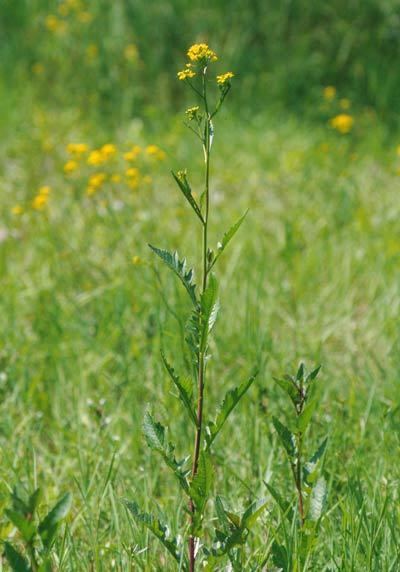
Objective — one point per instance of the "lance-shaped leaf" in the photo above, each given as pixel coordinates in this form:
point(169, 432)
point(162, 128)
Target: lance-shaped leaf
point(184, 387)
point(317, 500)
point(199, 490)
point(48, 526)
point(155, 435)
point(283, 504)
point(209, 307)
point(310, 468)
point(34, 500)
point(229, 403)
point(279, 556)
point(26, 527)
point(158, 528)
point(185, 275)
point(311, 376)
point(289, 387)
point(305, 416)
point(17, 562)
point(228, 237)
point(192, 336)
point(183, 184)
point(253, 513)
point(287, 438)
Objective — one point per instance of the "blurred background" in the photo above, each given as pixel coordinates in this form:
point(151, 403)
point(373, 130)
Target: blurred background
point(119, 59)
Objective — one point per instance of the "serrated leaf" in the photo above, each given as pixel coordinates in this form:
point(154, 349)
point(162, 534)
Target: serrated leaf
point(286, 437)
point(229, 403)
point(304, 418)
point(17, 562)
point(281, 502)
point(192, 336)
point(155, 435)
point(184, 387)
point(201, 483)
point(184, 186)
point(26, 527)
point(186, 276)
point(310, 467)
point(158, 528)
point(48, 526)
point(228, 237)
point(208, 310)
point(317, 500)
point(289, 388)
point(221, 514)
point(252, 513)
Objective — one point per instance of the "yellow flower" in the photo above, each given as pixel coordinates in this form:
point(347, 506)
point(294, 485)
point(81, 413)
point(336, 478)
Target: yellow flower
point(131, 53)
point(17, 210)
point(225, 78)
point(96, 157)
point(187, 73)
point(342, 123)
point(155, 152)
point(132, 154)
point(77, 148)
point(70, 167)
point(90, 190)
point(39, 202)
point(45, 190)
point(201, 53)
point(345, 103)
point(96, 180)
point(133, 176)
point(115, 178)
point(53, 23)
point(136, 260)
point(329, 92)
point(192, 112)
point(108, 150)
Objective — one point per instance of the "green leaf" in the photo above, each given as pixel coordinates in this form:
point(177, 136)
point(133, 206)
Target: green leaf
point(305, 417)
point(252, 513)
point(48, 527)
point(228, 237)
point(155, 435)
point(209, 307)
point(159, 529)
point(26, 527)
point(311, 376)
point(179, 268)
point(287, 438)
point(184, 387)
point(46, 565)
point(192, 336)
point(317, 500)
point(289, 387)
point(310, 467)
point(201, 483)
point(17, 562)
point(184, 186)
point(280, 557)
point(230, 401)
point(34, 500)
point(281, 502)
point(300, 372)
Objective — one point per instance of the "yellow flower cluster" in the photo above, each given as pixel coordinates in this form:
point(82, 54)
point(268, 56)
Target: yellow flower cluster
point(70, 167)
point(67, 8)
point(192, 112)
point(225, 78)
point(131, 53)
point(41, 199)
point(342, 123)
point(132, 154)
point(133, 177)
point(186, 73)
point(155, 152)
point(77, 149)
point(95, 182)
point(102, 155)
point(201, 53)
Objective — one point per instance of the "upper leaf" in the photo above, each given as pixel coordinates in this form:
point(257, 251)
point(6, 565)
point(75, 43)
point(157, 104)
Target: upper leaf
point(184, 186)
point(228, 237)
point(310, 468)
point(186, 276)
point(48, 527)
point(252, 513)
point(209, 307)
point(230, 401)
point(200, 488)
point(185, 389)
point(287, 438)
point(26, 527)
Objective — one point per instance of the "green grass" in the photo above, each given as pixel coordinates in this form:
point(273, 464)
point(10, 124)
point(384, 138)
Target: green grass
point(313, 275)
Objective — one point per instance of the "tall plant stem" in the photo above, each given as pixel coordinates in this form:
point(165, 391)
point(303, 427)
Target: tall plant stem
point(201, 374)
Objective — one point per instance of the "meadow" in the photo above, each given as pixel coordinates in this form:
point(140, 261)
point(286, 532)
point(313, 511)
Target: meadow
point(312, 276)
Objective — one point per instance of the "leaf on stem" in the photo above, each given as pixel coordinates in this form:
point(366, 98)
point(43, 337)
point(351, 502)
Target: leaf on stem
point(179, 268)
point(317, 500)
point(200, 487)
point(253, 513)
point(159, 529)
point(209, 306)
point(310, 468)
point(26, 527)
point(184, 186)
point(289, 387)
point(228, 237)
point(283, 504)
point(184, 387)
point(48, 527)
point(287, 439)
point(155, 435)
point(17, 562)
point(232, 398)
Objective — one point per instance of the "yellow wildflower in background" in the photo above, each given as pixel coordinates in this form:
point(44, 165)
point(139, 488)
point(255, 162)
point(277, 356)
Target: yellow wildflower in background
point(132, 154)
point(97, 180)
point(53, 24)
point(342, 123)
point(133, 177)
point(201, 53)
point(39, 202)
point(92, 51)
point(329, 92)
point(17, 210)
point(108, 150)
point(225, 78)
point(155, 152)
point(131, 53)
point(70, 167)
point(45, 190)
point(345, 103)
point(85, 17)
point(95, 158)
point(136, 260)
point(116, 178)
point(192, 112)
point(77, 148)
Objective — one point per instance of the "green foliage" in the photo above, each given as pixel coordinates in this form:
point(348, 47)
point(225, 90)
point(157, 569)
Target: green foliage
point(179, 268)
point(37, 535)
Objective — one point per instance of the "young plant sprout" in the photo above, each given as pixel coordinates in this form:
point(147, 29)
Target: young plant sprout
point(195, 476)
